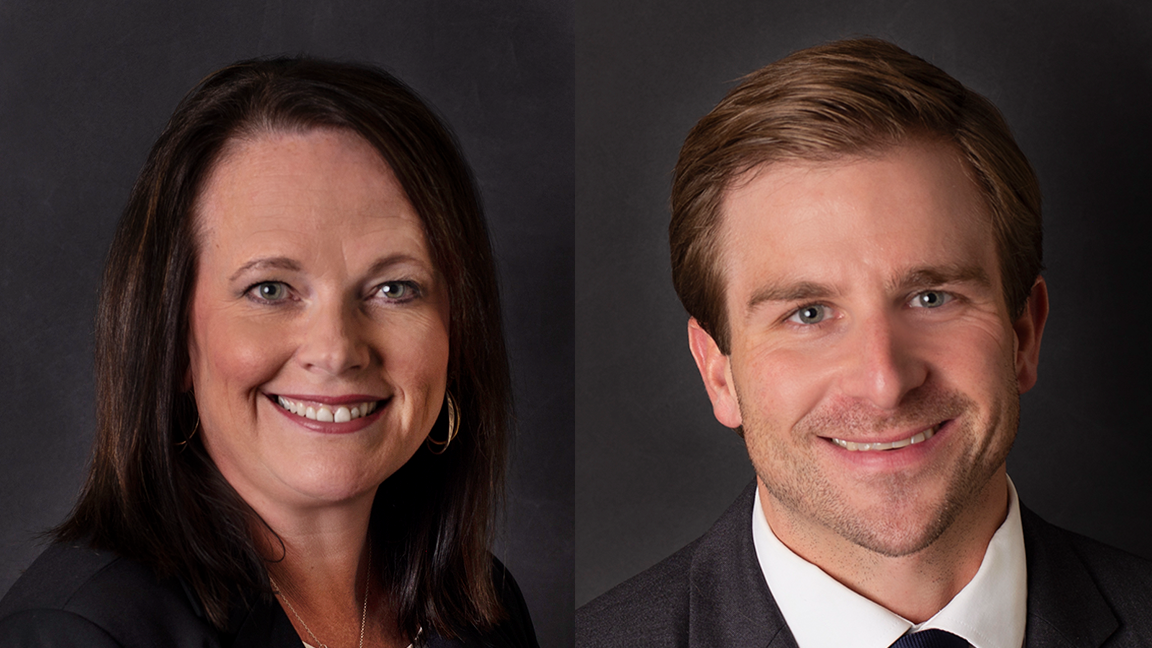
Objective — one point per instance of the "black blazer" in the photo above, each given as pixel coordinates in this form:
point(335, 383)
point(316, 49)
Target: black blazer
point(75, 596)
point(712, 594)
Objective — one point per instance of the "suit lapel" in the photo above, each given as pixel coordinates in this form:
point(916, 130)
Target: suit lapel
point(731, 605)
point(729, 602)
point(1065, 608)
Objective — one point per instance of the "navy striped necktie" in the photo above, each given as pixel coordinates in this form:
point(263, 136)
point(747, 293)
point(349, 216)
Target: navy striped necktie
point(930, 639)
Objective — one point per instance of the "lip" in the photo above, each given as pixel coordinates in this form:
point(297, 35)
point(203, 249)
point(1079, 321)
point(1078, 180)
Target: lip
point(890, 437)
point(355, 425)
point(330, 400)
point(893, 459)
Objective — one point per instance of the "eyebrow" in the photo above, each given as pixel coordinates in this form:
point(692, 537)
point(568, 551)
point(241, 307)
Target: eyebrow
point(291, 265)
point(924, 277)
point(787, 292)
point(940, 275)
point(267, 263)
point(394, 260)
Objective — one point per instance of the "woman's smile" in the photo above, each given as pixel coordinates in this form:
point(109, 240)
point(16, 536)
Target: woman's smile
point(328, 412)
point(331, 416)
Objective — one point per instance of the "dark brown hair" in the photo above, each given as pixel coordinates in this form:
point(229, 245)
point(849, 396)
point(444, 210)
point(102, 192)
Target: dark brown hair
point(845, 98)
point(155, 497)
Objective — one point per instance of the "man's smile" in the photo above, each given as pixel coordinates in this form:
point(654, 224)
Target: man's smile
point(919, 437)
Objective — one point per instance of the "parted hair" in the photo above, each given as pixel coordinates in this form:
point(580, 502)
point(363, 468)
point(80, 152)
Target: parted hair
point(846, 98)
point(154, 494)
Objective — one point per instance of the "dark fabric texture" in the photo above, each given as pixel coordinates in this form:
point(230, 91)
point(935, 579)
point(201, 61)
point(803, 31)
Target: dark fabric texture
point(930, 639)
point(711, 593)
point(73, 595)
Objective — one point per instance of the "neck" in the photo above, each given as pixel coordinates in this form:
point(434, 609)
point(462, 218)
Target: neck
point(324, 547)
point(318, 559)
point(915, 586)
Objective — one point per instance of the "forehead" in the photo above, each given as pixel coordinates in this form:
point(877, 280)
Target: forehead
point(324, 199)
point(838, 222)
point(318, 178)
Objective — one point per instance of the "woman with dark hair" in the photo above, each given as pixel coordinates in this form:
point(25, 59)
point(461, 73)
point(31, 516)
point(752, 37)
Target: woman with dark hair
point(302, 386)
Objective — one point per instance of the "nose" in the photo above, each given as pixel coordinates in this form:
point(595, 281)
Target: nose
point(882, 364)
point(333, 341)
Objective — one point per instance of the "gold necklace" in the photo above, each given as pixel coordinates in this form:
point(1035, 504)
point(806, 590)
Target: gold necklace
point(363, 612)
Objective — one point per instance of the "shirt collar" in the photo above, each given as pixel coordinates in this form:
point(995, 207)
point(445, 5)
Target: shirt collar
point(990, 612)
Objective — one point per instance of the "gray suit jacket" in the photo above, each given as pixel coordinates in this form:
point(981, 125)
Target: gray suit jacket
point(711, 594)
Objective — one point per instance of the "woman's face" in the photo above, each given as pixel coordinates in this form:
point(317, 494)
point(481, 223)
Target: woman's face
point(318, 333)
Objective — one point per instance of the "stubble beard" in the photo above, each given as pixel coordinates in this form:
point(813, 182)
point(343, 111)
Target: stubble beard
point(900, 522)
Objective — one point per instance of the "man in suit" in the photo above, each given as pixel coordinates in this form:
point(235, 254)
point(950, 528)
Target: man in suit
point(857, 240)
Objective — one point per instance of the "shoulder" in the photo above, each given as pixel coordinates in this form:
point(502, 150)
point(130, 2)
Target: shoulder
point(73, 593)
point(515, 631)
point(1072, 577)
point(649, 609)
point(694, 593)
point(1116, 571)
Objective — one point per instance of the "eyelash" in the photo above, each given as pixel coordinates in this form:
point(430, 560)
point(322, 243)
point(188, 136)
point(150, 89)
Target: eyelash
point(947, 298)
point(796, 313)
point(945, 295)
point(252, 294)
point(407, 285)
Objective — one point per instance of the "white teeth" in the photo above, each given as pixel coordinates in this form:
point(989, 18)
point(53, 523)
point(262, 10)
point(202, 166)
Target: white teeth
point(919, 437)
point(326, 413)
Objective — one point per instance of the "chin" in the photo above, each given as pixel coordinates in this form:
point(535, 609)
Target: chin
point(332, 480)
point(332, 493)
point(899, 518)
point(897, 533)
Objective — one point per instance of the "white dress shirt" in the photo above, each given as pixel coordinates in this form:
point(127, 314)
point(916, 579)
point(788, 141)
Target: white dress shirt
point(989, 612)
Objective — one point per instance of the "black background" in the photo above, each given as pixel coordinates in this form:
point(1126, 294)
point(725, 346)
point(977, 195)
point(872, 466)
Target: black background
point(1074, 79)
point(85, 88)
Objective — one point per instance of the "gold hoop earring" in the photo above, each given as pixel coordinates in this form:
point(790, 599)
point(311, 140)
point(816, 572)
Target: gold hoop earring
point(438, 447)
point(194, 428)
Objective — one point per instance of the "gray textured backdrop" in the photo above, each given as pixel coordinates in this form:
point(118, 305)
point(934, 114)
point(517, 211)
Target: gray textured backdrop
point(654, 469)
point(86, 87)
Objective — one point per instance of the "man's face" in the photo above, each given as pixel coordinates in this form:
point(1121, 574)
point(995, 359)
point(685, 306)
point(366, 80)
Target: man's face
point(874, 366)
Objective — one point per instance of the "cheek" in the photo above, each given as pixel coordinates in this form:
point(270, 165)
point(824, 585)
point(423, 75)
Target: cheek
point(416, 352)
point(230, 359)
point(413, 347)
point(780, 385)
point(970, 357)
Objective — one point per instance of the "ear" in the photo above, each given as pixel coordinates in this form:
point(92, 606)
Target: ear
point(1029, 328)
point(716, 370)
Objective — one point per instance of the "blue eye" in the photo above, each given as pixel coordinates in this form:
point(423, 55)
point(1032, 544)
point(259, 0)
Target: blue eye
point(931, 299)
point(811, 314)
point(270, 290)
